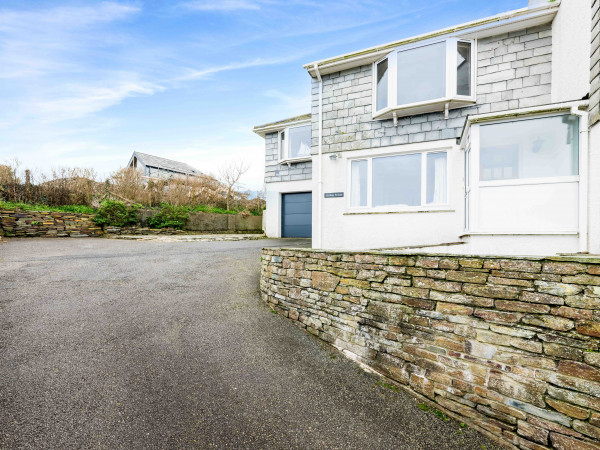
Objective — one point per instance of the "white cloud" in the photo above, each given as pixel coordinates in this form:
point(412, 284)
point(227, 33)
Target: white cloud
point(221, 5)
point(84, 100)
point(197, 74)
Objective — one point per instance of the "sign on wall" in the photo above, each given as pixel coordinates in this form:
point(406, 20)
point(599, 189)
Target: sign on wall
point(334, 194)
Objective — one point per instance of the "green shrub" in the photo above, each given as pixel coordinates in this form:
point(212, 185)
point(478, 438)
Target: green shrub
point(116, 214)
point(170, 216)
point(212, 209)
point(81, 209)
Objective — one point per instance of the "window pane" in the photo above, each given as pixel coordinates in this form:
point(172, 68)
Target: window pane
point(299, 138)
point(422, 73)
point(437, 181)
point(463, 68)
point(382, 84)
point(358, 183)
point(397, 180)
point(533, 148)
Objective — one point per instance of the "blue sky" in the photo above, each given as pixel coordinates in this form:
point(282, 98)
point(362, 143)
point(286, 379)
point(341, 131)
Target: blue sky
point(85, 83)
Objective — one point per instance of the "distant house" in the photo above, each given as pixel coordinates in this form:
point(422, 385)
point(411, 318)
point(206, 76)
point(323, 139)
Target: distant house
point(157, 167)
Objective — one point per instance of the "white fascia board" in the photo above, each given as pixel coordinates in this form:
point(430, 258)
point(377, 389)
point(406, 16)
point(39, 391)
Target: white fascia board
point(489, 26)
point(262, 131)
point(517, 113)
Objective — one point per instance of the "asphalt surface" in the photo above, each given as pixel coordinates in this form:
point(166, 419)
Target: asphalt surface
point(122, 344)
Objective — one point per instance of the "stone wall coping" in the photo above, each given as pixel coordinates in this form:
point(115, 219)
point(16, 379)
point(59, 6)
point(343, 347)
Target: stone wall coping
point(590, 259)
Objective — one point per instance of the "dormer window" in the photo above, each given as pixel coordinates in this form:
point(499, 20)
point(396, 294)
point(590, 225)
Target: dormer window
point(427, 77)
point(295, 143)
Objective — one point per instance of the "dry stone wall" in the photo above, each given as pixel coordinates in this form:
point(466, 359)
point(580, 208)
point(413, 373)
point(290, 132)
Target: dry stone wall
point(510, 345)
point(17, 223)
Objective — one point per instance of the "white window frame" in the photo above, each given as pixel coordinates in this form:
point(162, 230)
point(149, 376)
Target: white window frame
point(286, 159)
point(451, 100)
point(472, 152)
point(424, 206)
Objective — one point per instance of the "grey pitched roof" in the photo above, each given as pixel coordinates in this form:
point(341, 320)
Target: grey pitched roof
point(164, 163)
point(273, 127)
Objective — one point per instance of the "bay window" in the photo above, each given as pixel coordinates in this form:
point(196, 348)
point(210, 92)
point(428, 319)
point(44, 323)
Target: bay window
point(424, 78)
point(295, 143)
point(402, 181)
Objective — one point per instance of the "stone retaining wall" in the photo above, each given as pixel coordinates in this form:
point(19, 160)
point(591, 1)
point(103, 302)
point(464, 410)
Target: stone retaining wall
point(141, 231)
point(17, 223)
point(509, 345)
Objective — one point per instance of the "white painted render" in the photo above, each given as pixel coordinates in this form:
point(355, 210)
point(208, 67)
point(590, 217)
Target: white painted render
point(594, 190)
point(571, 30)
point(542, 70)
point(343, 228)
point(274, 191)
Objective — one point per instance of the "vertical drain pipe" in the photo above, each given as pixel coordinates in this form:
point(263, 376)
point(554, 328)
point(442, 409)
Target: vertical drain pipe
point(584, 172)
point(318, 238)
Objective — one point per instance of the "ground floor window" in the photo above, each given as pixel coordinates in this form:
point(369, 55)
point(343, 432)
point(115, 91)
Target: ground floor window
point(405, 180)
point(532, 148)
point(522, 175)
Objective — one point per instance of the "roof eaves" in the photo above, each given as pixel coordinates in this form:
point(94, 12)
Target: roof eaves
point(274, 127)
point(375, 52)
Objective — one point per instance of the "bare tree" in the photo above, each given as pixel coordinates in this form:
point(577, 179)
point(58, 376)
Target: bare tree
point(230, 174)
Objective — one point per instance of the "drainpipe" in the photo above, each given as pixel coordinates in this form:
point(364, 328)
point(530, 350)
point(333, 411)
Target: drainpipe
point(317, 238)
point(583, 178)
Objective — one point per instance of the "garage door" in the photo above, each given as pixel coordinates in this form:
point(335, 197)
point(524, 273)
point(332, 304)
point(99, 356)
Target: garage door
point(296, 215)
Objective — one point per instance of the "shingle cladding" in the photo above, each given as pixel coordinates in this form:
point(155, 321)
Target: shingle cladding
point(595, 64)
point(275, 172)
point(514, 71)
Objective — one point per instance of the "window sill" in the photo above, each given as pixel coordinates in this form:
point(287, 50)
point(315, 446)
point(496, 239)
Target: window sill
point(295, 160)
point(423, 107)
point(520, 233)
point(529, 181)
point(403, 211)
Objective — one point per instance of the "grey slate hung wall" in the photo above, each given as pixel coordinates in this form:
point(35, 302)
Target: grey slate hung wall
point(595, 64)
point(514, 71)
point(282, 172)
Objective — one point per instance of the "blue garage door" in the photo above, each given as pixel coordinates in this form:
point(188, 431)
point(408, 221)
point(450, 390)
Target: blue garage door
point(296, 215)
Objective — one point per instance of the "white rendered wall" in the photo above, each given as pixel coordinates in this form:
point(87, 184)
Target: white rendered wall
point(571, 30)
point(343, 229)
point(272, 219)
point(594, 190)
point(513, 245)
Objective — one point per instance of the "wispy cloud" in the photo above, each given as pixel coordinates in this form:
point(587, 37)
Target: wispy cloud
point(221, 5)
point(198, 74)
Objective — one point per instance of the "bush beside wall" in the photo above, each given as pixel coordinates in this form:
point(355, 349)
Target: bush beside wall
point(510, 345)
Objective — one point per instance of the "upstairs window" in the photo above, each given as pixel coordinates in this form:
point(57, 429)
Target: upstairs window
point(425, 78)
point(295, 142)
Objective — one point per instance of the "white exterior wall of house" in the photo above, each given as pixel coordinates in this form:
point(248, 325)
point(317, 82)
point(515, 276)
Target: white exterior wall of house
point(571, 51)
point(343, 227)
point(594, 190)
point(525, 68)
point(273, 196)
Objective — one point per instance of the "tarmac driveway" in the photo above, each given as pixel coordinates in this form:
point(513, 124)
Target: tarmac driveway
point(123, 344)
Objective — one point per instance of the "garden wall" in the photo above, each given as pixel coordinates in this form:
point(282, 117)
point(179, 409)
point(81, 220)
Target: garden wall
point(508, 345)
point(18, 223)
